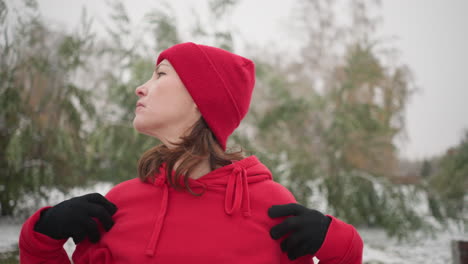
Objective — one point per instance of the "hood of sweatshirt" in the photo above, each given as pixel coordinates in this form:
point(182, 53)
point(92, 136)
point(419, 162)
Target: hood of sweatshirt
point(234, 178)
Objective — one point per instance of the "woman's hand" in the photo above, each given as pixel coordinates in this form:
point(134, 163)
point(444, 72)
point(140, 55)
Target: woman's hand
point(308, 229)
point(73, 218)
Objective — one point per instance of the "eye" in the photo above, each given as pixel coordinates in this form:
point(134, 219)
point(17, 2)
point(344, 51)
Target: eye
point(160, 73)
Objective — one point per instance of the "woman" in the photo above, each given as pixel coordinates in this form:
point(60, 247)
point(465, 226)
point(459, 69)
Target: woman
point(192, 202)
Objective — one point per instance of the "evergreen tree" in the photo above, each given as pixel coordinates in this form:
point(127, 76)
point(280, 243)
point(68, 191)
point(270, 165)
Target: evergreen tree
point(449, 185)
point(43, 107)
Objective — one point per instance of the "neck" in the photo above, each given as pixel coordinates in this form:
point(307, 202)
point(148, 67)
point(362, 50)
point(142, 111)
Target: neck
point(202, 168)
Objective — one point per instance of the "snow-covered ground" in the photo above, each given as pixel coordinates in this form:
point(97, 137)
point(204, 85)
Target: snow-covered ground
point(378, 247)
point(9, 232)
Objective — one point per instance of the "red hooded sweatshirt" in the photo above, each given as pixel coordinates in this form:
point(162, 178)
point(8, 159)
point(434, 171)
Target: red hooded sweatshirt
point(229, 223)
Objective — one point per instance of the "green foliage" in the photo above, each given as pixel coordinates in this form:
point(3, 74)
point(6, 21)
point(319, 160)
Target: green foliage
point(450, 183)
point(283, 142)
point(426, 169)
point(42, 108)
point(342, 139)
point(164, 28)
point(359, 146)
point(9, 257)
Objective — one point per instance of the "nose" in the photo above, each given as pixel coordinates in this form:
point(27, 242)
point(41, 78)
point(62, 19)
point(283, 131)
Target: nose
point(140, 91)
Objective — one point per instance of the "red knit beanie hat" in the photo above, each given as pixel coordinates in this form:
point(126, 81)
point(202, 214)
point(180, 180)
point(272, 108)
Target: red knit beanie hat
point(220, 83)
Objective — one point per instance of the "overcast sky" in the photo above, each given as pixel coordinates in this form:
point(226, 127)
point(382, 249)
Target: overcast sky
point(432, 36)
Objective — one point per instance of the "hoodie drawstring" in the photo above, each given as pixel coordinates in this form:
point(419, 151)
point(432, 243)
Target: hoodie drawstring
point(151, 248)
point(237, 197)
point(237, 192)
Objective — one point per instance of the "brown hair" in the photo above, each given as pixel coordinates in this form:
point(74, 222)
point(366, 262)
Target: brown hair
point(199, 145)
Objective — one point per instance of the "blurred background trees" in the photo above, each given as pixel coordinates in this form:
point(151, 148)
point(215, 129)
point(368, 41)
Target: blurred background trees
point(324, 123)
point(43, 108)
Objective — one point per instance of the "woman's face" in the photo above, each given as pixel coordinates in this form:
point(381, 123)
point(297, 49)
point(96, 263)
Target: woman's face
point(164, 109)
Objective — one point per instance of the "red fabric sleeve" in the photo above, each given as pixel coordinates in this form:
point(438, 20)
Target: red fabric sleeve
point(342, 245)
point(38, 248)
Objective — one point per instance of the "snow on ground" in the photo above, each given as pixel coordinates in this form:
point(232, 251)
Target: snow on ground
point(378, 247)
point(9, 233)
point(55, 196)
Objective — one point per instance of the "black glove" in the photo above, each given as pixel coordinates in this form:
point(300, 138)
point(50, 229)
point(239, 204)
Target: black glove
point(72, 218)
point(308, 229)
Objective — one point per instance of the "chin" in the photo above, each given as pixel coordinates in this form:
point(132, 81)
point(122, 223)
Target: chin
point(137, 124)
point(141, 131)
point(144, 127)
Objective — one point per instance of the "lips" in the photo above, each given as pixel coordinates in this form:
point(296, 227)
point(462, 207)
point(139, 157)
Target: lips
point(139, 105)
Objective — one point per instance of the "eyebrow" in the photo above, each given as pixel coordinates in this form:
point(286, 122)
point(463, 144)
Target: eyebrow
point(157, 66)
